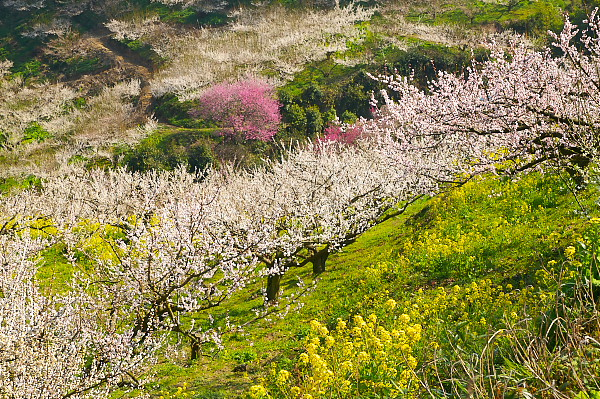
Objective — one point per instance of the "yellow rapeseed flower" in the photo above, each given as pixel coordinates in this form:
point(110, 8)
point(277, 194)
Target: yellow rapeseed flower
point(570, 251)
point(329, 341)
point(257, 391)
point(411, 361)
point(348, 348)
point(283, 376)
point(390, 304)
point(346, 366)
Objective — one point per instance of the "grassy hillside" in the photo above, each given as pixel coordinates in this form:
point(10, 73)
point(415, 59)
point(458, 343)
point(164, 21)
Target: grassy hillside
point(494, 256)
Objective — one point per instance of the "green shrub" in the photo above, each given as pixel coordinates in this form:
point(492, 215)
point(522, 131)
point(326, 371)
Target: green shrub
point(79, 65)
point(314, 121)
point(295, 118)
point(199, 157)
point(145, 51)
point(168, 150)
point(19, 183)
point(30, 70)
point(348, 117)
point(244, 355)
point(169, 109)
point(35, 132)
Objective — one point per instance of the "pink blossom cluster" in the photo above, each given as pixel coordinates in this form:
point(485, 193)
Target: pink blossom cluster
point(245, 109)
point(343, 134)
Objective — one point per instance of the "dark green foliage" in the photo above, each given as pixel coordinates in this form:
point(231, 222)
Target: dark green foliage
point(184, 15)
point(31, 70)
point(103, 163)
point(199, 157)
point(3, 140)
point(313, 94)
point(321, 92)
point(16, 47)
point(348, 117)
point(423, 62)
point(295, 118)
point(329, 116)
point(145, 51)
point(170, 150)
point(212, 19)
point(193, 17)
point(314, 121)
point(89, 19)
point(355, 100)
point(77, 66)
point(169, 109)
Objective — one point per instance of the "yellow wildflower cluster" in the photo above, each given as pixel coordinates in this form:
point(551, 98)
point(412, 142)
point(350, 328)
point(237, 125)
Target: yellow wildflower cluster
point(438, 251)
point(182, 392)
point(570, 252)
point(257, 392)
point(478, 306)
point(380, 355)
point(357, 357)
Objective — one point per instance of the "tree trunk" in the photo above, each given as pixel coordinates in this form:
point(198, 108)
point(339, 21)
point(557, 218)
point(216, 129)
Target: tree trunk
point(195, 350)
point(319, 261)
point(273, 287)
point(576, 169)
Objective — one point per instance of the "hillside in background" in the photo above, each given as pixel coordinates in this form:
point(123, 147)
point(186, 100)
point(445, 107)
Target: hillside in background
point(112, 84)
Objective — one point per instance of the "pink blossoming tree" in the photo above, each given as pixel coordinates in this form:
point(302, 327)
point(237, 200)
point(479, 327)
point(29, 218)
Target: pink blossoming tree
point(343, 133)
point(244, 110)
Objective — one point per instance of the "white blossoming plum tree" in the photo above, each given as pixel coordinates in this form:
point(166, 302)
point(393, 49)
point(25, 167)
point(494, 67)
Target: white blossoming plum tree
point(62, 345)
point(313, 202)
point(522, 105)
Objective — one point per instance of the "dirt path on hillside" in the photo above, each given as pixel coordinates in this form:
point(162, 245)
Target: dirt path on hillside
point(126, 59)
point(124, 64)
